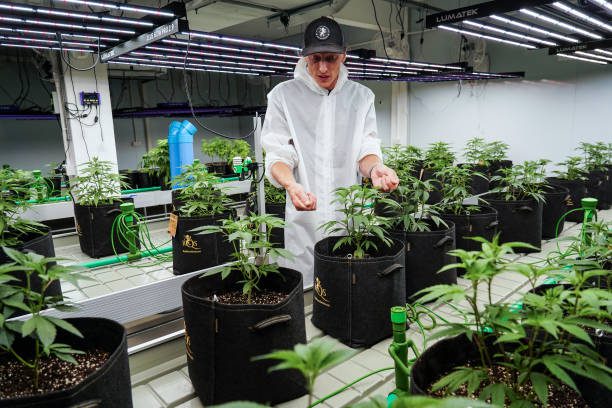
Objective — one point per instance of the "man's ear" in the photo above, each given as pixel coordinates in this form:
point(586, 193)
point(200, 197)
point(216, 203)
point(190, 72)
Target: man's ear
point(344, 58)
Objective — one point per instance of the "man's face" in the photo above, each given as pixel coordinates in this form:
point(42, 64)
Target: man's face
point(325, 68)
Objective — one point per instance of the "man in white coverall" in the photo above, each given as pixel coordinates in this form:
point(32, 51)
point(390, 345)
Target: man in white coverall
point(320, 134)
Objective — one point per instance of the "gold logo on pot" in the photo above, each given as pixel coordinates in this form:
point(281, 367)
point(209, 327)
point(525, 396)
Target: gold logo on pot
point(190, 245)
point(321, 293)
point(188, 343)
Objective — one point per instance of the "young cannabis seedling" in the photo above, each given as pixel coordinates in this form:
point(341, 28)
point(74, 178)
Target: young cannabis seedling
point(200, 196)
point(438, 156)
point(361, 227)
point(595, 156)
point(496, 151)
point(248, 239)
point(41, 329)
point(97, 184)
point(476, 152)
point(573, 169)
point(520, 182)
point(455, 188)
point(310, 359)
point(157, 161)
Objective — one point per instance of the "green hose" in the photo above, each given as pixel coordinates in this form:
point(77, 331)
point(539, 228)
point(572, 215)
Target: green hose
point(339, 390)
point(125, 258)
point(140, 190)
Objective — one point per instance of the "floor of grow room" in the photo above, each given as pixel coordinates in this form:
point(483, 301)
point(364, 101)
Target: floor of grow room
point(159, 375)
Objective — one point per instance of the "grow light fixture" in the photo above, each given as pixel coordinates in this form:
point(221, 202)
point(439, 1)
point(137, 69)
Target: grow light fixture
point(591, 55)
point(76, 15)
point(35, 22)
point(44, 47)
point(594, 61)
point(41, 40)
point(603, 3)
point(49, 33)
point(533, 28)
point(583, 16)
point(188, 68)
point(121, 7)
point(539, 16)
point(193, 64)
point(488, 37)
point(599, 50)
point(509, 33)
point(237, 40)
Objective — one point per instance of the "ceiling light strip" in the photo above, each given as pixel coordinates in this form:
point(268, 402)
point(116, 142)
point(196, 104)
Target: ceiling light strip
point(12, 38)
point(182, 58)
point(591, 55)
point(49, 33)
point(582, 16)
point(594, 61)
point(44, 47)
point(550, 20)
point(181, 64)
point(187, 68)
point(236, 40)
point(487, 37)
point(33, 22)
point(72, 14)
point(529, 27)
point(599, 50)
point(603, 3)
point(122, 7)
point(509, 33)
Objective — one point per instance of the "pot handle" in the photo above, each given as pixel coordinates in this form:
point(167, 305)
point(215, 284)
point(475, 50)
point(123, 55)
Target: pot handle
point(492, 225)
point(445, 240)
point(389, 270)
point(525, 209)
point(113, 211)
point(271, 321)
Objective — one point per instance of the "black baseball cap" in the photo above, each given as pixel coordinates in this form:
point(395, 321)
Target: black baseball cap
point(323, 35)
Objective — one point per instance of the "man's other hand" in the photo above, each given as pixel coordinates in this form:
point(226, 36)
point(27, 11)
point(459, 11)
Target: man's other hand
point(302, 200)
point(384, 178)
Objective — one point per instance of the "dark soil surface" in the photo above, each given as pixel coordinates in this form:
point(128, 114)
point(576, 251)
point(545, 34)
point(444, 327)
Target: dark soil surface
point(266, 297)
point(17, 380)
point(558, 397)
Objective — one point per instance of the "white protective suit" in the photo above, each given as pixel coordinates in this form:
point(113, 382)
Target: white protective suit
point(321, 135)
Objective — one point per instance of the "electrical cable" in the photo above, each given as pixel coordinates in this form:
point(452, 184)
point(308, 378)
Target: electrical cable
point(188, 94)
point(382, 36)
point(98, 117)
point(59, 40)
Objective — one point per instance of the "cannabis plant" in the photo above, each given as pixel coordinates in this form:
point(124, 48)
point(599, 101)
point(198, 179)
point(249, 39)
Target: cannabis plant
point(403, 159)
point(157, 161)
point(520, 182)
point(438, 156)
point(198, 192)
point(476, 152)
point(250, 236)
point(12, 226)
point(496, 151)
point(309, 359)
point(97, 184)
point(573, 169)
point(543, 345)
point(595, 156)
point(274, 195)
point(408, 210)
point(225, 149)
point(41, 329)
point(455, 188)
point(360, 226)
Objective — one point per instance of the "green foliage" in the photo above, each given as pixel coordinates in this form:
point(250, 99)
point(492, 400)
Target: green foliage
point(476, 151)
point(157, 161)
point(573, 169)
point(225, 149)
point(520, 182)
point(361, 227)
point(545, 344)
point(198, 192)
point(12, 226)
point(596, 155)
point(496, 151)
point(309, 359)
point(438, 156)
point(248, 238)
point(455, 188)
point(97, 184)
point(403, 159)
point(408, 211)
point(42, 329)
point(274, 195)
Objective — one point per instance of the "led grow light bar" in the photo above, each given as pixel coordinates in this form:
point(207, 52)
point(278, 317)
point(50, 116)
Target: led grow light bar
point(585, 17)
point(488, 37)
point(237, 40)
point(193, 64)
point(65, 25)
point(122, 7)
point(41, 40)
point(599, 50)
point(533, 28)
point(539, 16)
point(73, 14)
point(509, 33)
point(603, 3)
point(591, 55)
point(182, 58)
point(187, 68)
point(44, 47)
point(49, 33)
point(594, 61)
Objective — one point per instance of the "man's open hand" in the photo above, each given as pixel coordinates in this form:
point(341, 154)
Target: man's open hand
point(302, 201)
point(384, 178)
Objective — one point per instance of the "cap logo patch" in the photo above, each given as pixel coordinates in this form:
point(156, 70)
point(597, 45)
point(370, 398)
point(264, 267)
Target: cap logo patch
point(322, 32)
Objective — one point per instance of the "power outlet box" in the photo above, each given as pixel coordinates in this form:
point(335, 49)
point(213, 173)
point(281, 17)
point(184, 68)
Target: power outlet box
point(90, 98)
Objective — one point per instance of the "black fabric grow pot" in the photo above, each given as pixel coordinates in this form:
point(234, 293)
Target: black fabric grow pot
point(478, 185)
point(554, 206)
point(107, 387)
point(425, 253)
point(144, 179)
point(221, 340)
point(131, 178)
point(192, 251)
point(481, 222)
point(519, 220)
point(94, 226)
point(352, 297)
point(596, 188)
point(41, 245)
point(577, 191)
